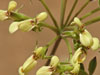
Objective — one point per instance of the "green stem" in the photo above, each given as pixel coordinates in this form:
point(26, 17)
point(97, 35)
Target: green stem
point(49, 26)
point(54, 49)
point(49, 12)
point(69, 47)
point(90, 13)
point(92, 21)
point(63, 8)
point(73, 7)
point(80, 10)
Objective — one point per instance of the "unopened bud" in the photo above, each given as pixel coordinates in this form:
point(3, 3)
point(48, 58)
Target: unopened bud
point(12, 5)
point(13, 27)
point(26, 25)
point(29, 64)
point(42, 16)
point(45, 70)
point(78, 22)
point(54, 61)
point(3, 15)
point(38, 51)
point(96, 44)
point(86, 38)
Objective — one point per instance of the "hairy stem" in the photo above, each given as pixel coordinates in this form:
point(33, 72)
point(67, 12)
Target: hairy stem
point(73, 7)
point(92, 21)
point(63, 8)
point(54, 49)
point(90, 13)
point(49, 12)
point(80, 10)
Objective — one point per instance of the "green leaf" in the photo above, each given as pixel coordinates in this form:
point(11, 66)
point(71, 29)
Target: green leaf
point(82, 66)
point(82, 72)
point(92, 66)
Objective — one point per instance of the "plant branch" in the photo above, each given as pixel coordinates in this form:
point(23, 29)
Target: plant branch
point(54, 49)
point(49, 26)
point(69, 47)
point(90, 13)
point(73, 7)
point(92, 21)
point(80, 10)
point(49, 12)
point(63, 8)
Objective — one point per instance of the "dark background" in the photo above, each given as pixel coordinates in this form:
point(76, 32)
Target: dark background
point(16, 48)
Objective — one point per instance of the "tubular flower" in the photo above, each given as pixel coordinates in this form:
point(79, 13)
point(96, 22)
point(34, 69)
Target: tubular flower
point(31, 62)
point(25, 26)
point(96, 44)
point(77, 56)
point(45, 70)
point(78, 22)
point(12, 5)
point(3, 15)
point(54, 61)
point(76, 60)
point(48, 70)
point(86, 38)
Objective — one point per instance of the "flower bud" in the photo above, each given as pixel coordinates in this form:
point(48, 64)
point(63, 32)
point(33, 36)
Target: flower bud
point(45, 70)
point(13, 27)
point(26, 25)
point(3, 15)
point(29, 64)
point(54, 61)
point(12, 5)
point(96, 44)
point(38, 51)
point(42, 16)
point(20, 71)
point(86, 38)
point(76, 69)
point(78, 22)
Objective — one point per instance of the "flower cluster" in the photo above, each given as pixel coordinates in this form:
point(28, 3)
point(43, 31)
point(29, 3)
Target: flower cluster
point(74, 29)
point(85, 37)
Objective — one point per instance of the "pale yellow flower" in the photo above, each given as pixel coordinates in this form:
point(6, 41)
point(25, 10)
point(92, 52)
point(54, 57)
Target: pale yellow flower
point(86, 38)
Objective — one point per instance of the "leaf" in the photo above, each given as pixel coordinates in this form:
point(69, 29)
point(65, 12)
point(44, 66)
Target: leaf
point(92, 66)
point(82, 66)
point(82, 72)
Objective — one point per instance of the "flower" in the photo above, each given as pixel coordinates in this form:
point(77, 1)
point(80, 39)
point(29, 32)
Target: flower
point(25, 26)
point(29, 64)
point(77, 56)
point(12, 5)
point(45, 70)
point(78, 22)
point(54, 61)
point(96, 44)
point(76, 60)
point(86, 38)
point(3, 15)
